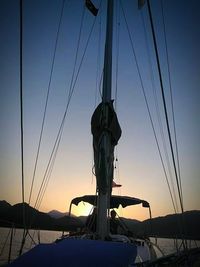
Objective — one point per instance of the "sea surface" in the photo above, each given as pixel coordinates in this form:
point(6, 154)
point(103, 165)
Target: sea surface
point(166, 245)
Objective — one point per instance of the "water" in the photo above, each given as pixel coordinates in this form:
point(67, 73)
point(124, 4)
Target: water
point(167, 245)
point(5, 233)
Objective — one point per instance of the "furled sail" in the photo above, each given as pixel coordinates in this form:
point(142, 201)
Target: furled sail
point(104, 122)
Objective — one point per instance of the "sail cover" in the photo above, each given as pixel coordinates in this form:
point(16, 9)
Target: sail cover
point(78, 252)
point(98, 123)
point(104, 123)
point(115, 201)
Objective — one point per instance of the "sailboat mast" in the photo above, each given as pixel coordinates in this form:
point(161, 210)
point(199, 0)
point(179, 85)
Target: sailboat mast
point(107, 78)
point(106, 167)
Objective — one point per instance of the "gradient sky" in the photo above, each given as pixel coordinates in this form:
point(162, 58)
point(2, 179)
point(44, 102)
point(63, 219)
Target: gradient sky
point(139, 169)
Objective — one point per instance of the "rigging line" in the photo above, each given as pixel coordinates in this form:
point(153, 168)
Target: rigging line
point(65, 113)
point(10, 245)
point(21, 108)
point(101, 77)
point(31, 238)
point(172, 102)
point(80, 65)
point(47, 97)
point(158, 111)
point(48, 165)
point(62, 9)
point(164, 103)
point(117, 53)
point(49, 174)
point(41, 190)
point(174, 125)
point(77, 50)
point(26, 233)
point(44, 182)
point(118, 24)
point(69, 97)
point(72, 89)
point(31, 243)
point(98, 80)
point(47, 180)
point(4, 244)
point(21, 118)
point(98, 61)
point(117, 170)
point(148, 109)
point(83, 56)
point(62, 122)
point(100, 85)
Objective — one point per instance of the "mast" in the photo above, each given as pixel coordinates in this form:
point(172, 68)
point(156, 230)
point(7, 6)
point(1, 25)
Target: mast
point(106, 169)
point(106, 133)
point(107, 73)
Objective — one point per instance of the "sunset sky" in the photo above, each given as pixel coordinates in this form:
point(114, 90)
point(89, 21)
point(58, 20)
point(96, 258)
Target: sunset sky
point(138, 168)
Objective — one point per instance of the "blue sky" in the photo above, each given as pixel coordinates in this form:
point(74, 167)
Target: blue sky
point(139, 171)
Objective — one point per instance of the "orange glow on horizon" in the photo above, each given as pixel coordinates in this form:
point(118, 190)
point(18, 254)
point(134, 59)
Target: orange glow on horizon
point(136, 212)
point(83, 209)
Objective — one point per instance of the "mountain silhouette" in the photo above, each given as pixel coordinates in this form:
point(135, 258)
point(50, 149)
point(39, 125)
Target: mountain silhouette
point(13, 215)
point(172, 226)
point(58, 214)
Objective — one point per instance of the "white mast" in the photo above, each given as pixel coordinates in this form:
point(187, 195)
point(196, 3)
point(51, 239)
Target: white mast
point(105, 146)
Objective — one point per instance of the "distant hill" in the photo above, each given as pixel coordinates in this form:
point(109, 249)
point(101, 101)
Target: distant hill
point(173, 225)
point(35, 219)
point(166, 226)
point(57, 214)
